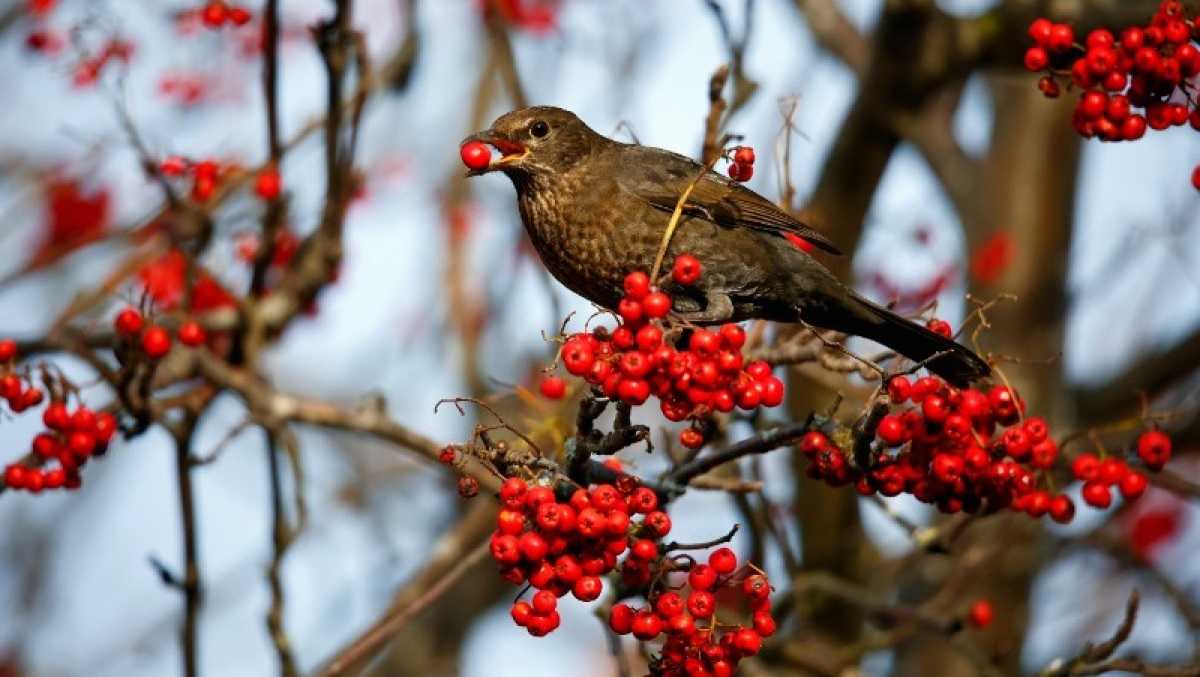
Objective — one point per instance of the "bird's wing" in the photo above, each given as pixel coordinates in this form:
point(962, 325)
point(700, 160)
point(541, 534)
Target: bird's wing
point(659, 178)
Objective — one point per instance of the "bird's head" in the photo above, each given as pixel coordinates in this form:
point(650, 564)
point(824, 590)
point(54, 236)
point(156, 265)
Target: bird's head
point(537, 140)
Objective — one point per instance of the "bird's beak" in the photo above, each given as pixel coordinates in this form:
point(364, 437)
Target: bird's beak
point(511, 152)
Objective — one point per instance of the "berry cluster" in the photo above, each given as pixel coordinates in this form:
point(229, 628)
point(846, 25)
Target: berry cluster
point(742, 166)
point(164, 280)
point(637, 359)
point(206, 174)
point(962, 448)
point(154, 340)
point(1128, 83)
point(70, 439)
point(697, 642)
point(19, 394)
point(561, 547)
point(286, 246)
point(217, 13)
point(87, 72)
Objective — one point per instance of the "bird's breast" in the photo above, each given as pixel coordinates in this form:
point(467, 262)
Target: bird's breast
point(583, 237)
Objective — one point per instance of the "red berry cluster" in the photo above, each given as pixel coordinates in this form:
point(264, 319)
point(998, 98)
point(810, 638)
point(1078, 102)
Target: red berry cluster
point(697, 642)
point(561, 547)
point(88, 70)
point(216, 14)
point(952, 452)
point(636, 360)
point(206, 174)
point(1100, 475)
point(186, 89)
point(1128, 83)
point(70, 438)
point(742, 167)
point(286, 246)
point(155, 340)
point(19, 394)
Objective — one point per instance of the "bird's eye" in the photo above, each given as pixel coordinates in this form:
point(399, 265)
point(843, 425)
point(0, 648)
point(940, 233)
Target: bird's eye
point(539, 129)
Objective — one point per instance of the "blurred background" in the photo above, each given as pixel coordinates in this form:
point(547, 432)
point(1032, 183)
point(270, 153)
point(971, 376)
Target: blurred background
point(913, 140)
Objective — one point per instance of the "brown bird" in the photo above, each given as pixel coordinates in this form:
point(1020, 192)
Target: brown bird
point(596, 209)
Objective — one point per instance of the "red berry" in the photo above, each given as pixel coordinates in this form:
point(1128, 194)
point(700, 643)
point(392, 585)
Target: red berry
point(891, 430)
point(1039, 30)
point(747, 641)
point(1133, 485)
point(701, 603)
point(173, 165)
point(191, 334)
point(1112, 471)
point(656, 305)
point(1097, 494)
point(723, 561)
point(1154, 448)
point(899, 389)
point(620, 619)
point(1092, 104)
point(521, 613)
point(1134, 127)
point(239, 16)
point(658, 522)
point(156, 342)
point(1062, 509)
point(105, 427)
point(813, 443)
point(1048, 86)
point(35, 480)
point(553, 387)
point(935, 409)
point(646, 626)
point(268, 184)
point(587, 588)
point(56, 417)
point(128, 322)
point(544, 602)
point(14, 476)
point(702, 577)
point(1132, 38)
point(691, 438)
point(686, 270)
point(980, 614)
point(533, 547)
point(214, 14)
point(743, 155)
point(475, 155)
point(1062, 37)
point(1036, 59)
point(669, 604)
point(756, 587)
point(578, 357)
point(637, 285)
point(740, 172)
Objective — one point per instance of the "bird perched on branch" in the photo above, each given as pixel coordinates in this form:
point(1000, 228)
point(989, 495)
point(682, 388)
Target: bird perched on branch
point(596, 209)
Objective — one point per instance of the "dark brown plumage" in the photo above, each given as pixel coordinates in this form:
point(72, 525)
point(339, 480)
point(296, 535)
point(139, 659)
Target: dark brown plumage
point(596, 209)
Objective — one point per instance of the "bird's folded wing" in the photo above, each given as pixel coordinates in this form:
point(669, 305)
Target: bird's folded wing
point(714, 198)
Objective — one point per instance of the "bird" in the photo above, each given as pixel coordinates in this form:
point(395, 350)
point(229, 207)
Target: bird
point(596, 209)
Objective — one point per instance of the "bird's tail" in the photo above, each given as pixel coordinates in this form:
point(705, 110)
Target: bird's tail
point(957, 363)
